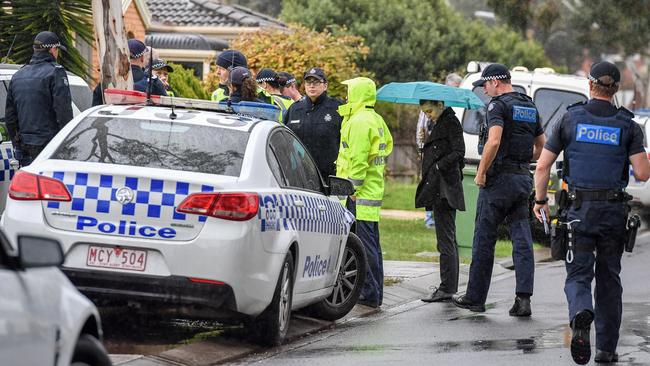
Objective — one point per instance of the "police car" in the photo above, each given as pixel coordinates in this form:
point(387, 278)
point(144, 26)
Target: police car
point(44, 320)
point(81, 100)
point(640, 190)
point(178, 209)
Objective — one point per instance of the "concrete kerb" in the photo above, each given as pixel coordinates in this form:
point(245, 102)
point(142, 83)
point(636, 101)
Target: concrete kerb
point(413, 280)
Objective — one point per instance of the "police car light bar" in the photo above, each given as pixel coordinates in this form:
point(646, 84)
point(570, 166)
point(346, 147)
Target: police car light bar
point(129, 97)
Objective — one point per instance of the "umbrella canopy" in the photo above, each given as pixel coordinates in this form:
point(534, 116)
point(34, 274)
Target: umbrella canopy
point(413, 92)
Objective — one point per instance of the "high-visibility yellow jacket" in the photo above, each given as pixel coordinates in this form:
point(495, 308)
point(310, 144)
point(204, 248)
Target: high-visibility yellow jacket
point(219, 95)
point(365, 144)
point(283, 103)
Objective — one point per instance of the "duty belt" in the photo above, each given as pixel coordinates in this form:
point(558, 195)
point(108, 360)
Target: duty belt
point(599, 195)
point(512, 169)
point(611, 195)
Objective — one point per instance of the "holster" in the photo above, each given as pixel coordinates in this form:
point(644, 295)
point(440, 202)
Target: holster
point(559, 240)
point(633, 223)
point(559, 232)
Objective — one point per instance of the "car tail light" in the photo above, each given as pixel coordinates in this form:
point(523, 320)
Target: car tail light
point(227, 206)
point(31, 187)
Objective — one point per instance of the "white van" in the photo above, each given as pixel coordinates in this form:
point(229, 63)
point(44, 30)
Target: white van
point(81, 100)
point(551, 92)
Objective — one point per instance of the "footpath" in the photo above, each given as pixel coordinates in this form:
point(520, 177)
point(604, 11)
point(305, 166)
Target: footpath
point(407, 282)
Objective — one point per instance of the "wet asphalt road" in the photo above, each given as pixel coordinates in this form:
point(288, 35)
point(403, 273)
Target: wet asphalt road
point(441, 334)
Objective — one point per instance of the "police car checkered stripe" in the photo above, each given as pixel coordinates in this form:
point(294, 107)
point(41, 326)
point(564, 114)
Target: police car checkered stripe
point(279, 212)
point(152, 198)
point(7, 170)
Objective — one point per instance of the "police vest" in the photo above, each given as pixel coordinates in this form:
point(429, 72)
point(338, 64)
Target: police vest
point(597, 154)
point(519, 125)
point(219, 95)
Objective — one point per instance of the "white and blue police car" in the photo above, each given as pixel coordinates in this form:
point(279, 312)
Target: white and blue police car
point(192, 208)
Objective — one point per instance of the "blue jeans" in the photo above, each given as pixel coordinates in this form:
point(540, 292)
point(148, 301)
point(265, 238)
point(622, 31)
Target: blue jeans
point(506, 196)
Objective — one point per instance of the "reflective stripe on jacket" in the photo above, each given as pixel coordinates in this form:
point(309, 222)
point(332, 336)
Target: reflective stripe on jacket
point(366, 142)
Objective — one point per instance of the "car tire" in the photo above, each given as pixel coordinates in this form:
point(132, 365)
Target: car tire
point(349, 281)
point(270, 328)
point(89, 351)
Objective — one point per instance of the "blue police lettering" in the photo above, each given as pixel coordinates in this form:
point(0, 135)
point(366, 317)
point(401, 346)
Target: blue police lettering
point(524, 114)
point(316, 268)
point(130, 228)
point(598, 134)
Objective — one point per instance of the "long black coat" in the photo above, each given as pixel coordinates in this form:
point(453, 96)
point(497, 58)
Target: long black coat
point(444, 147)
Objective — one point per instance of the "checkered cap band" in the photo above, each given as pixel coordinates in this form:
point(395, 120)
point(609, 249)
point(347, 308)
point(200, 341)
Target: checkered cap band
point(136, 55)
point(49, 45)
point(264, 79)
point(495, 77)
point(595, 80)
point(291, 81)
point(158, 65)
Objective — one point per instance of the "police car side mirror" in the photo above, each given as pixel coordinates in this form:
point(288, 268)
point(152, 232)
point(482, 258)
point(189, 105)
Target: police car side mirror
point(339, 186)
point(35, 251)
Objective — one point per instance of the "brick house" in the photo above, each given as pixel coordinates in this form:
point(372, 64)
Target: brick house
point(187, 32)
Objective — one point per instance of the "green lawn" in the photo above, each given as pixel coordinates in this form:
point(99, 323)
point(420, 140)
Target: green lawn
point(399, 196)
point(402, 239)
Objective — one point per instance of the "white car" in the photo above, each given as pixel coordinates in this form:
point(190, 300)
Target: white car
point(192, 212)
point(640, 190)
point(44, 320)
point(81, 100)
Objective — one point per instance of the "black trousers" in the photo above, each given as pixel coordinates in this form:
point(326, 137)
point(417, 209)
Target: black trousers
point(27, 153)
point(445, 218)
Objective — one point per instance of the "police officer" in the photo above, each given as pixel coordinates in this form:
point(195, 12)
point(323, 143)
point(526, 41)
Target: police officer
point(316, 121)
point(139, 60)
point(289, 86)
point(269, 81)
point(515, 137)
point(38, 100)
point(599, 142)
point(225, 62)
point(366, 142)
point(161, 70)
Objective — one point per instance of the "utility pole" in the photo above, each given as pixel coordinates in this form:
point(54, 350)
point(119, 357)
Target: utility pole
point(112, 46)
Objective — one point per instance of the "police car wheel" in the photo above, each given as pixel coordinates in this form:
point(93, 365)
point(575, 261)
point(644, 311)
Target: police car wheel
point(270, 328)
point(90, 351)
point(349, 282)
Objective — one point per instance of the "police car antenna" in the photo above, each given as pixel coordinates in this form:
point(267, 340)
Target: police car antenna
point(9, 51)
point(149, 82)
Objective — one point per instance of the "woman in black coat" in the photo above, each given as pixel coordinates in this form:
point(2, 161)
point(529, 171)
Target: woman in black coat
point(441, 189)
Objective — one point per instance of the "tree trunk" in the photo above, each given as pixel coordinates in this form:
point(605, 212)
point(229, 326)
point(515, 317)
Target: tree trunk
point(112, 46)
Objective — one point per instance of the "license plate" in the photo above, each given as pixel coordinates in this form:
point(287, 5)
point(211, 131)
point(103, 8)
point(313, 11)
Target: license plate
point(116, 257)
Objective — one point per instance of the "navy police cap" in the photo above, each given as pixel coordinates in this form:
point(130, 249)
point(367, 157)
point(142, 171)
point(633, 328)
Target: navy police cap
point(238, 74)
point(604, 68)
point(493, 72)
point(315, 72)
point(46, 40)
point(266, 75)
point(136, 48)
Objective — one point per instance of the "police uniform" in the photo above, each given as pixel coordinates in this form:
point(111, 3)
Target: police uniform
point(318, 125)
point(271, 77)
point(141, 82)
point(597, 139)
point(505, 196)
point(38, 102)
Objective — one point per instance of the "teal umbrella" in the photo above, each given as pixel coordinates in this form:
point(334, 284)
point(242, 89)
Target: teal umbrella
point(413, 92)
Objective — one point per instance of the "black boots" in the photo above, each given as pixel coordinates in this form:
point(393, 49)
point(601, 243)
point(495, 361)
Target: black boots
point(606, 357)
point(580, 344)
point(521, 306)
point(462, 302)
point(438, 296)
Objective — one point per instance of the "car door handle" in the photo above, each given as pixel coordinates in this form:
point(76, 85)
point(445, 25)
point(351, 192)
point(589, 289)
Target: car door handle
point(299, 203)
point(322, 207)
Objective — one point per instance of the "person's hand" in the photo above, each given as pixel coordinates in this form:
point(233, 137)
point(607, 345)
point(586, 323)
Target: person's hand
point(480, 180)
point(537, 211)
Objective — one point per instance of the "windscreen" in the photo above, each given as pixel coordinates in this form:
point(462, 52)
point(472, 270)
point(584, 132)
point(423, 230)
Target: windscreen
point(552, 104)
point(156, 144)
